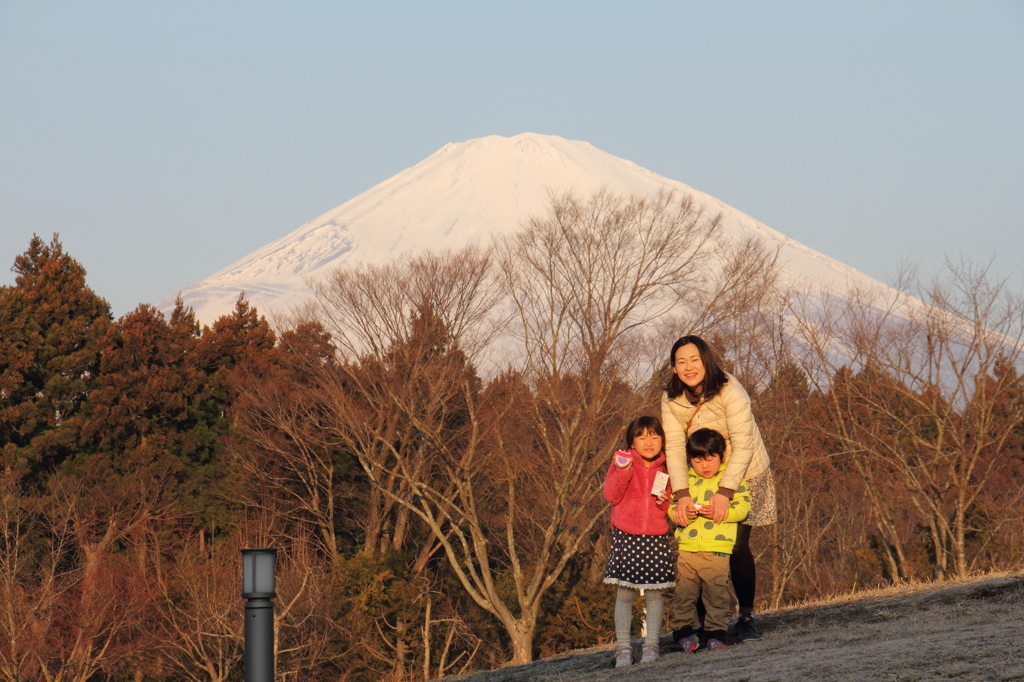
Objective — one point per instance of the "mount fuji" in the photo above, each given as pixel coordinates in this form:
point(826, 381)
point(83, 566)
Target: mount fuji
point(463, 193)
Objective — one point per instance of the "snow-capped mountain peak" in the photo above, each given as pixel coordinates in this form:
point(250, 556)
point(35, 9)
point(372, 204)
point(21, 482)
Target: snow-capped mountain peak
point(464, 192)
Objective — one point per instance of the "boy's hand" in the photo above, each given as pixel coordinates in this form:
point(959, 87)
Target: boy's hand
point(685, 511)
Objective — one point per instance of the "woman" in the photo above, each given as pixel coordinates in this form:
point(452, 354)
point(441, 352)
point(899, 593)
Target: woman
point(701, 395)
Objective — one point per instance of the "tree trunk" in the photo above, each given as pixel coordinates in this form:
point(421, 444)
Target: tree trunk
point(373, 523)
point(521, 631)
point(958, 539)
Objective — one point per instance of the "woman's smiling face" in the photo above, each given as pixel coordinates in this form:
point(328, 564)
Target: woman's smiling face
point(688, 366)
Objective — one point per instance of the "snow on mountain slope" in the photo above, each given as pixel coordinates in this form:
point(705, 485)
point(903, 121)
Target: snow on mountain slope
point(464, 193)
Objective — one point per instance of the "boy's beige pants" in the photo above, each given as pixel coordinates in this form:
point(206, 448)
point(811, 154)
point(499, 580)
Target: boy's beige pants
point(701, 575)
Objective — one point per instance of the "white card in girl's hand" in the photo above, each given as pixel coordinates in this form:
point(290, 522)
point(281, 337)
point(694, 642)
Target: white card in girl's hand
point(660, 483)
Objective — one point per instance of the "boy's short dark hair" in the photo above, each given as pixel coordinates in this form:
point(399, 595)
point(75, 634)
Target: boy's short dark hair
point(641, 424)
point(705, 442)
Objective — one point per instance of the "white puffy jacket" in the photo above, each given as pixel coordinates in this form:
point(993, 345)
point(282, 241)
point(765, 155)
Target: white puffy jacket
point(729, 414)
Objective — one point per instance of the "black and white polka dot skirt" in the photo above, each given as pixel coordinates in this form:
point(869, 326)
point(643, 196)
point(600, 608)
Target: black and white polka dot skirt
point(641, 562)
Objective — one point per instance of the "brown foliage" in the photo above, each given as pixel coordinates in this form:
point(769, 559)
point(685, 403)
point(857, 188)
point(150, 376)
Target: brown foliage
point(426, 444)
point(922, 395)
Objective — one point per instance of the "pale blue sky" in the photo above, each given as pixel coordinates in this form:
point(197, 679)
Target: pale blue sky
point(166, 140)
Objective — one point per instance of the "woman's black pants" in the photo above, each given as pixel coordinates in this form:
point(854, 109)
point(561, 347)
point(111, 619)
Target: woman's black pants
point(741, 565)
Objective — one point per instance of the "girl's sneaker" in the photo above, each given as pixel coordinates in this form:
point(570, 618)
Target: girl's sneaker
point(651, 653)
point(623, 657)
point(689, 644)
point(715, 644)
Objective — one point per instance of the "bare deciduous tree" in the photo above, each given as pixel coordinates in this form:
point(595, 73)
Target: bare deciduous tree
point(385, 321)
point(286, 450)
point(199, 613)
point(920, 391)
point(586, 281)
point(89, 604)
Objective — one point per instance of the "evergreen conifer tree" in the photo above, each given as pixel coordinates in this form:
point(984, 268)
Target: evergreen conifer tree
point(50, 326)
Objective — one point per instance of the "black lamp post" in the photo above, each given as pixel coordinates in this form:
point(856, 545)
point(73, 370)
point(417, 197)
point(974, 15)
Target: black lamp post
point(258, 591)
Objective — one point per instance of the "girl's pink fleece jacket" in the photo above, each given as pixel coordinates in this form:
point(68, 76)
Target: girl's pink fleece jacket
point(635, 510)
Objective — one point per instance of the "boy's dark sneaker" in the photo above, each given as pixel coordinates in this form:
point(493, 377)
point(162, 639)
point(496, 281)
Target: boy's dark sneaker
point(688, 644)
point(714, 643)
point(707, 635)
point(746, 628)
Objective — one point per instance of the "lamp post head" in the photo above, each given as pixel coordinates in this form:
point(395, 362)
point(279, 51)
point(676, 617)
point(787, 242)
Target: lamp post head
point(258, 573)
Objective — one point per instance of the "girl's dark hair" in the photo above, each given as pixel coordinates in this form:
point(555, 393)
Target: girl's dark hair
point(703, 443)
point(641, 424)
point(714, 376)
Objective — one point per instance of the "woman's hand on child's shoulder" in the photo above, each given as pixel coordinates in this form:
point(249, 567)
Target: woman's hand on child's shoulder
point(719, 507)
point(622, 460)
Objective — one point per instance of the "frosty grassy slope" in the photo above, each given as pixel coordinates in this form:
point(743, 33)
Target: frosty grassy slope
point(972, 631)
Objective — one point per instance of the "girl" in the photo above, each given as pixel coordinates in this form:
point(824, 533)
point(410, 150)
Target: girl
point(640, 557)
point(700, 394)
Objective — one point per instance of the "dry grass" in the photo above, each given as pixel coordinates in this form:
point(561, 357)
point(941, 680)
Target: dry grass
point(969, 630)
point(901, 591)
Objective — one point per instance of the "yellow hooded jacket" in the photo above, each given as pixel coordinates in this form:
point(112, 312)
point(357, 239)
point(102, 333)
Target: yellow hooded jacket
point(702, 534)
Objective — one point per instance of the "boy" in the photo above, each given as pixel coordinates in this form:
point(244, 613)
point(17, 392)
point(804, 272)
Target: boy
point(702, 569)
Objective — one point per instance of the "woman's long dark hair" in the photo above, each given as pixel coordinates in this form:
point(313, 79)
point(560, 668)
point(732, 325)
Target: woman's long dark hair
point(714, 376)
